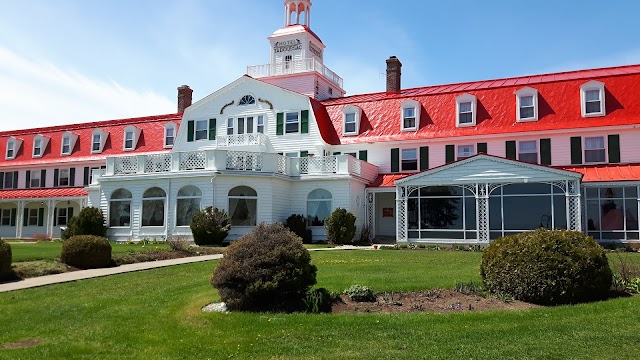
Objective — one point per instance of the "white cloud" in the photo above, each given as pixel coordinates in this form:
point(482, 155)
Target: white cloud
point(36, 93)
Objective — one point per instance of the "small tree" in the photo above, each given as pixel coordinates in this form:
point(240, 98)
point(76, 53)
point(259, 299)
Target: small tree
point(298, 224)
point(210, 226)
point(89, 221)
point(267, 269)
point(340, 226)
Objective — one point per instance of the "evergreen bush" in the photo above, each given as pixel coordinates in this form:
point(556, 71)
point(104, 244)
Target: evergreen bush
point(360, 293)
point(5, 260)
point(89, 221)
point(86, 252)
point(267, 269)
point(547, 267)
point(210, 226)
point(298, 224)
point(340, 226)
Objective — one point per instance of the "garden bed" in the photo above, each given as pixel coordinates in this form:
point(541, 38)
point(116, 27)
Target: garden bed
point(432, 301)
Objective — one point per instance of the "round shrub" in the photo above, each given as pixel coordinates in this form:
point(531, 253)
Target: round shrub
point(5, 260)
point(267, 269)
point(86, 252)
point(547, 267)
point(89, 221)
point(210, 226)
point(341, 226)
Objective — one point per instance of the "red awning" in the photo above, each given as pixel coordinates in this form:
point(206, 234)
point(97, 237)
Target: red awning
point(388, 180)
point(43, 193)
point(606, 172)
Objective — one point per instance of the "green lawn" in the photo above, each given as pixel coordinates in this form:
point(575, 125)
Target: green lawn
point(51, 250)
point(156, 315)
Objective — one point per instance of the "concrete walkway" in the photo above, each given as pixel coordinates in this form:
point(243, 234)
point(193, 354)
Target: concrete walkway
point(94, 273)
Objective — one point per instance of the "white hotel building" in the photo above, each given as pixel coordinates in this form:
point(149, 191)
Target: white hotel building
point(455, 163)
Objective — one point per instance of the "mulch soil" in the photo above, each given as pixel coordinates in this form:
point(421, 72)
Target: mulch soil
point(432, 301)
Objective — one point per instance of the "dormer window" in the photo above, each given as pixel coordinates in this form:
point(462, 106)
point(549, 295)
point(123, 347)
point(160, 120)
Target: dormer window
point(466, 110)
point(592, 99)
point(351, 120)
point(68, 143)
point(247, 100)
point(13, 146)
point(11, 149)
point(169, 134)
point(410, 115)
point(527, 104)
point(39, 145)
point(98, 139)
point(131, 135)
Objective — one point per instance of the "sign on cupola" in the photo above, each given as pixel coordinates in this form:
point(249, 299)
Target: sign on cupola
point(288, 45)
point(315, 50)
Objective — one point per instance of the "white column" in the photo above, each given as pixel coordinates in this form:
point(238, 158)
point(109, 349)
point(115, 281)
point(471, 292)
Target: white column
point(297, 13)
point(19, 219)
point(51, 204)
point(482, 212)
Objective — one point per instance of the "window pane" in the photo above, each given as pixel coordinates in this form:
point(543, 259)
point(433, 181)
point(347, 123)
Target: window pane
point(592, 95)
point(185, 211)
point(631, 214)
point(318, 211)
point(120, 213)
point(526, 112)
point(242, 211)
point(538, 212)
point(466, 118)
point(612, 214)
point(410, 112)
point(526, 101)
point(350, 117)
point(409, 123)
point(466, 150)
point(350, 128)
point(530, 158)
point(409, 154)
point(528, 146)
point(594, 156)
point(593, 107)
point(153, 212)
point(465, 107)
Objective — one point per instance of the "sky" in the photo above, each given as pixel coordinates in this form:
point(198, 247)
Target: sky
point(73, 61)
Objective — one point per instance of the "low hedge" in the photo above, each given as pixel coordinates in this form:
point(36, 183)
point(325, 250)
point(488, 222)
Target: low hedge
point(547, 267)
point(86, 252)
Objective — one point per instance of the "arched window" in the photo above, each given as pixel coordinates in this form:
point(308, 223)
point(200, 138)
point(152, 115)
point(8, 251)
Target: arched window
point(243, 205)
point(247, 100)
point(153, 207)
point(120, 208)
point(189, 198)
point(319, 205)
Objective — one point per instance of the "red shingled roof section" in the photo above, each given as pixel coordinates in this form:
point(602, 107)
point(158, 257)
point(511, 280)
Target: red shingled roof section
point(324, 123)
point(606, 172)
point(151, 140)
point(559, 106)
point(43, 193)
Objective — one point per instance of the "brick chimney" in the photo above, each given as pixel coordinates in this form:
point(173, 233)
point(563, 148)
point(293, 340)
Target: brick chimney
point(184, 97)
point(394, 75)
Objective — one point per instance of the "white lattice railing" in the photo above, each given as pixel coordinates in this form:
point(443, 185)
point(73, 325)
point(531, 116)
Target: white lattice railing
point(256, 139)
point(193, 160)
point(294, 67)
point(157, 163)
point(319, 165)
point(243, 160)
point(282, 164)
point(125, 165)
point(356, 167)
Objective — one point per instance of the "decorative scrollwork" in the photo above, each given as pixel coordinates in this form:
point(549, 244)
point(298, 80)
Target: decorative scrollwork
point(226, 106)
point(266, 102)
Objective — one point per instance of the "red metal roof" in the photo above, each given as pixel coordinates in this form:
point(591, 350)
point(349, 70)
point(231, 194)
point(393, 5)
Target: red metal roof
point(388, 180)
point(43, 193)
point(606, 172)
point(558, 98)
point(151, 140)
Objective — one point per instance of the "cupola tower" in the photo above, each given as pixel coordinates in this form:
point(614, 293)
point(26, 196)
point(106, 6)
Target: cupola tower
point(297, 57)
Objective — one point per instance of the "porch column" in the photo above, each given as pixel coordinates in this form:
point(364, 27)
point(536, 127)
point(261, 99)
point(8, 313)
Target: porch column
point(370, 215)
point(574, 207)
point(482, 204)
point(19, 219)
point(51, 205)
point(401, 214)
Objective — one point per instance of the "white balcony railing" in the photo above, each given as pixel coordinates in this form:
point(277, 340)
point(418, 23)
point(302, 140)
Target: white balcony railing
point(255, 139)
point(220, 160)
point(294, 67)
